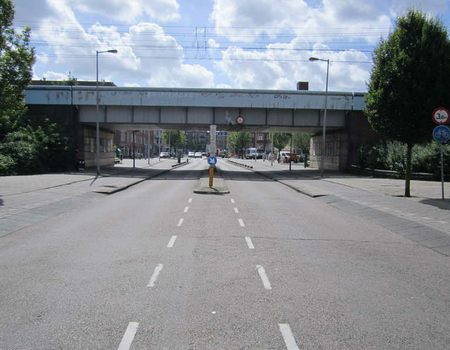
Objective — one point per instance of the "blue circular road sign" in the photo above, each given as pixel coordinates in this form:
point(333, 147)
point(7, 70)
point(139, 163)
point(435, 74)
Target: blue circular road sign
point(212, 160)
point(441, 133)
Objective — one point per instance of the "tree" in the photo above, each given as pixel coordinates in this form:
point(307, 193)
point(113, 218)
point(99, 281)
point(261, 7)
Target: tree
point(281, 140)
point(408, 81)
point(16, 62)
point(239, 140)
point(174, 138)
point(301, 141)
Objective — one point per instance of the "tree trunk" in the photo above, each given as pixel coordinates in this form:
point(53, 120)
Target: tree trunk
point(409, 148)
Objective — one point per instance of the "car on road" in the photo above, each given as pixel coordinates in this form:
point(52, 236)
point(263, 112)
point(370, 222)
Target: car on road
point(198, 154)
point(191, 154)
point(287, 157)
point(164, 155)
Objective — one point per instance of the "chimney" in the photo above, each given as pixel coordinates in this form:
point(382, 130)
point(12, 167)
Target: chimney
point(302, 85)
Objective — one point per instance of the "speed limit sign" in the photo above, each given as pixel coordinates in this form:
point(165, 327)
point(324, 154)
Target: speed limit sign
point(240, 120)
point(441, 116)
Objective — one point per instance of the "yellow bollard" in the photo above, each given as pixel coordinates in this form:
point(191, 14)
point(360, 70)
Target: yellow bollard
point(211, 176)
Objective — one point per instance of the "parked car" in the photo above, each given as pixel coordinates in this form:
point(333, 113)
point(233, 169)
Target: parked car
point(198, 154)
point(287, 157)
point(191, 154)
point(164, 155)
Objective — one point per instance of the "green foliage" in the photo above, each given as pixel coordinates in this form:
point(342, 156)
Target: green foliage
point(281, 140)
point(239, 140)
point(409, 79)
point(16, 61)
point(391, 155)
point(301, 141)
point(30, 151)
point(175, 138)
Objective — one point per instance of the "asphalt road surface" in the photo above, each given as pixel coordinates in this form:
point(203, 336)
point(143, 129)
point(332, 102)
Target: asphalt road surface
point(264, 267)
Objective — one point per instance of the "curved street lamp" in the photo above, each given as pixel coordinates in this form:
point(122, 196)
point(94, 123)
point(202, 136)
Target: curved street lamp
point(97, 103)
point(322, 158)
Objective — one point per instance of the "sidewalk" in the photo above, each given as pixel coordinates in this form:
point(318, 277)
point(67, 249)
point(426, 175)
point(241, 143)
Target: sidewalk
point(26, 200)
point(425, 215)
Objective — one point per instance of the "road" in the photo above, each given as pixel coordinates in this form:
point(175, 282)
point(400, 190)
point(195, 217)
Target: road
point(264, 267)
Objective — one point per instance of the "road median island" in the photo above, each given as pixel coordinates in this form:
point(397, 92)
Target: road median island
point(219, 184)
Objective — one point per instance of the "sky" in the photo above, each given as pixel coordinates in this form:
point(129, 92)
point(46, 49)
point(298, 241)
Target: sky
point(240, 44)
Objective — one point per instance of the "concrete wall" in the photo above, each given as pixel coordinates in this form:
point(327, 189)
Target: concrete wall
point(106, 147)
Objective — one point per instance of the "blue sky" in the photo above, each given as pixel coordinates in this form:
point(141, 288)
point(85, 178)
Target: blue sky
point(251, 44)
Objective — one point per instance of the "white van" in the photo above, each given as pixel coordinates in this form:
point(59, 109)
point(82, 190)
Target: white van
point(251, 153)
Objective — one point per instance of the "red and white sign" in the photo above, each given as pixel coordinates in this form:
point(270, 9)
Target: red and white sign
point(240, 120)
point(441, 116)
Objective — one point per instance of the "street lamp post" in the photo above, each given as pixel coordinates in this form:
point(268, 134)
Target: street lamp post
point(322, 158)
point(97, 126)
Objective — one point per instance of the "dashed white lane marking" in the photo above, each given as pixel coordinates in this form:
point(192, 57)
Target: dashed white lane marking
point(180, 222)
point(241, 222)
point(171, 242)
point(236, 210)
point(186, 209)
point(128, 337)
point(424, 217)
point(232, 200)
point(249, 243)
point(264, 278)
point(155, 275)
point(442, 222)
point(190, 200)
point(410, 214)
point(288, 337)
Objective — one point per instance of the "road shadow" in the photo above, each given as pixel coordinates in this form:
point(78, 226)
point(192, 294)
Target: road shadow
point(1, 201)
point(438, 203)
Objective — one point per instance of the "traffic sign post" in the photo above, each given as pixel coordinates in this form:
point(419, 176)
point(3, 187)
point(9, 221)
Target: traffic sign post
point(212, 161)
point(441, 134)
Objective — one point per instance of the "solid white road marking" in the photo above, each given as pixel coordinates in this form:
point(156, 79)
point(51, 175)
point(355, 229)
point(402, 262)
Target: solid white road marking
point(232, 200)
point(190, 200)
point(241, 222)
point(236, 210)
point(172, 242)
point(128, 337)
point(186, 209)
point(180, 222)
point(249, 243)
point(155, 275)
point(264, 278)
point(288, 337)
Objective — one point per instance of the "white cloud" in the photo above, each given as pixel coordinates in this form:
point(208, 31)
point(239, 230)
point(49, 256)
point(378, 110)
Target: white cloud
point(212, 43)
point(146, 54)
point(223, 86)
point(54, 76)
point(257, 16)
point(282, 70)
point(131, 85)
point(129, 10)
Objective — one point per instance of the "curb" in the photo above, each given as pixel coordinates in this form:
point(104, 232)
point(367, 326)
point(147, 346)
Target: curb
point(309, 191)
point(239, 164)
point(203, 188)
